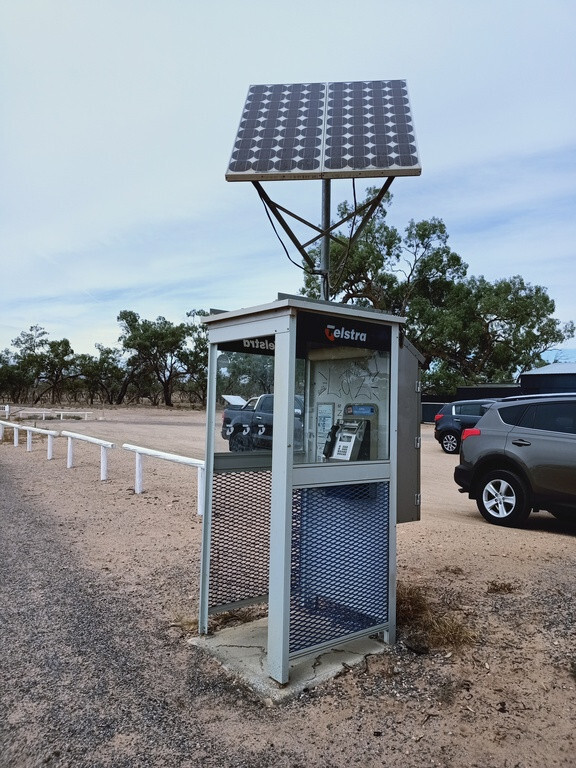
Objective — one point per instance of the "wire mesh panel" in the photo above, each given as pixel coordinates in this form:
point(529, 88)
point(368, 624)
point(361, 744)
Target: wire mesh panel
point(340, 555)
point(240, 543)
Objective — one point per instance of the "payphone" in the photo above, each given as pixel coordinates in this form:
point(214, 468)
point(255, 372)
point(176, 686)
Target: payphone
point(347, 402)
point(350, 438)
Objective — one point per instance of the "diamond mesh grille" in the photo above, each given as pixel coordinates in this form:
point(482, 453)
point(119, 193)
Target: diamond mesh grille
point(240, 542)
point(340, 556)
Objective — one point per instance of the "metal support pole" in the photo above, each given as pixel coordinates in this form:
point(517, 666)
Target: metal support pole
point(207, 480)
point(281, 506)
point(325, 244)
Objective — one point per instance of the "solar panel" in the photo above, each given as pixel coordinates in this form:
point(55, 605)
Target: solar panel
point(325, 130)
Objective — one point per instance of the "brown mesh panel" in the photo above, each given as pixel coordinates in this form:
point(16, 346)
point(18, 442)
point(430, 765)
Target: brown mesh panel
point(240, 546)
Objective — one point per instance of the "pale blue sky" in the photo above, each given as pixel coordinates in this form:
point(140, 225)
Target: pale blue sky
point(117, 121)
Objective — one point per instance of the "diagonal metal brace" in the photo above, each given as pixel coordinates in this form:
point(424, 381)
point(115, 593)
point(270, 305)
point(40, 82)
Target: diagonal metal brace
point(275, 209)
point(371, 205)
point(366, 209)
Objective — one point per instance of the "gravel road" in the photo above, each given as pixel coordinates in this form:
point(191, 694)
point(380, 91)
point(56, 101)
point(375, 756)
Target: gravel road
point(89, 675)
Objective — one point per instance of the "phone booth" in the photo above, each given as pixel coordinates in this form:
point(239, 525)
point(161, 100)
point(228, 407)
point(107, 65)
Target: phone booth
point(303, 491)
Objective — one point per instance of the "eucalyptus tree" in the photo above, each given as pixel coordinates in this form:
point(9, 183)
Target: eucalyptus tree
point(42, 367)
point(468, 329)
point(155, 348)
point(195, 358)
point(57, 365)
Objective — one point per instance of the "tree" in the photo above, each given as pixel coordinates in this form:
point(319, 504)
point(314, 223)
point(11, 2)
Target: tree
point(32, 341)
point(100, 377)
point(247, 374)
point(56, 364)
point(388, 271)
point(469, 330)
point(40, 367)
point(27, 362)
point(15, 380)
point(158, 346)
point(195, 358)
point(489, 333)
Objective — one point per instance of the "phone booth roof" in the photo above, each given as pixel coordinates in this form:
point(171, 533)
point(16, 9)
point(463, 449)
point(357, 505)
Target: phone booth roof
point(287, 304)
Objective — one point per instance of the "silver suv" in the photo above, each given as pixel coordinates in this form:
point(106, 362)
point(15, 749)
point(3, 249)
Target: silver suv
point(520, 456)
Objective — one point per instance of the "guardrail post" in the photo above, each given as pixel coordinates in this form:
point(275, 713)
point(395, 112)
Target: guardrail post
point(140, 452)
point(104, 446)
point(138, 479)
point(28, 440)
point(201, 474)
point(50, 451)
point(16, 432)
point(103, 462)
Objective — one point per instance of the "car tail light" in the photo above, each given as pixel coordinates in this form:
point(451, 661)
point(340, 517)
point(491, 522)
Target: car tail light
point(470, 433)
point(438, 417)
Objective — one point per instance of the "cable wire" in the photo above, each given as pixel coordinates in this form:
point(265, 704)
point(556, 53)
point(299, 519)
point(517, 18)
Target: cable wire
point(347, 254)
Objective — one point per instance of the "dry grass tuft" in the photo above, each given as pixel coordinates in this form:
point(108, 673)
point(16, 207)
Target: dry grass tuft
point(501, 587)
point(455, 570)
point(238, 616)
point(188, 624)
point(432, 624)
point(449, 631)
point(411, 603)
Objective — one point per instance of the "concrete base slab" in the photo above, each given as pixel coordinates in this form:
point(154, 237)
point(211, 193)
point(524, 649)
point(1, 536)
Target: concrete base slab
point(242, 652)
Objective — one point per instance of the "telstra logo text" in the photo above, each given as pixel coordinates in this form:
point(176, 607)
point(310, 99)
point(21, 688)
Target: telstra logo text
point(349, 334)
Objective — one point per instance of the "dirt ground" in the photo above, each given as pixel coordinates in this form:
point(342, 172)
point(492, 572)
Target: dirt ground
point(99, 596)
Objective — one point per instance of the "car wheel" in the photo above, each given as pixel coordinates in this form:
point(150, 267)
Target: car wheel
point(450, 442)
point(502, 499)
point(240, 442)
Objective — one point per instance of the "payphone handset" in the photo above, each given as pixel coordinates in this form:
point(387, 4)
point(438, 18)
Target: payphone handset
point(354, 437)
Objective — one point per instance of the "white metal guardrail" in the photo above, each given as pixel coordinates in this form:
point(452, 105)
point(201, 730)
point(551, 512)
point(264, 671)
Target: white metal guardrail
point(45, 412)
point(140, 452)
point(51, 433)
point(104, 447)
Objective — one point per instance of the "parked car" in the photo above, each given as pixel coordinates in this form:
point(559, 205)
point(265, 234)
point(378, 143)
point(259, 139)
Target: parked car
point(453, 418)
point(521, 456)
point(248, 425)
